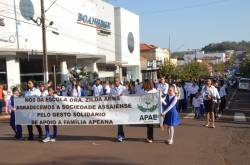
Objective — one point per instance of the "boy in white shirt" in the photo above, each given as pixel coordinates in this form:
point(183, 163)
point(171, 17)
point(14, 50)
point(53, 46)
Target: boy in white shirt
point(196, 105)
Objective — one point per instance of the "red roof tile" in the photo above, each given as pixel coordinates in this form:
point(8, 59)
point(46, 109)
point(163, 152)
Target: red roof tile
point(144, 47)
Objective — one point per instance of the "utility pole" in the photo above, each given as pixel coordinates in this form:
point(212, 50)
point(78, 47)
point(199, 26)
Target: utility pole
point(169, 48)
point(195, 58)
point(45, 56)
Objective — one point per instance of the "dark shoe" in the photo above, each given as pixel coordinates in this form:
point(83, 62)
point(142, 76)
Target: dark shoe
point(30, 138)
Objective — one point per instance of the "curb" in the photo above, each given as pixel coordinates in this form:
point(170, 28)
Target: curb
point(4, 117)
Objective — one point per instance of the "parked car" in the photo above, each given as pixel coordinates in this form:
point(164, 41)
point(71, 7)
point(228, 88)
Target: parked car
point(244, 84)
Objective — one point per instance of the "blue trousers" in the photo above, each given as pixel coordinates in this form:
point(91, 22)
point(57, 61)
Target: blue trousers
point(47, 134)
point(16, 128)
point(120, 131)
point(1, 106)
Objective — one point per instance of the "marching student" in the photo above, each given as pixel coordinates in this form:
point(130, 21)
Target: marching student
point(43, 90)
point(48, 138)
point(163, 86)
point(148, 87)
point(74, 90)
point(11, 109)
point(118, 90)
point(210, 96)
point(106, 88)
point(32, 91)
point(170, 114)
point(197, 101)
point(193, 90)
point(223, 95)
point(97, 88)
point(63, 91)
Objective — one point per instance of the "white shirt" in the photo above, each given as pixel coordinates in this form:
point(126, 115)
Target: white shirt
point(197, 102)
point(97, 90)
point(194, 89)
point(150, 91)
point(126, 91)
point(44, 93)
point(223, 91)
point(181, 93)
point(117, 91)
point(138, 89)
point(212, 91)
point(163, 88)
point(32, 92)
point(107, 88)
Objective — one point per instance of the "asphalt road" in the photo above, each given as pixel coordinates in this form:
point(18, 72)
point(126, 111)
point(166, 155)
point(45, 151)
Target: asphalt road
point(227, 144)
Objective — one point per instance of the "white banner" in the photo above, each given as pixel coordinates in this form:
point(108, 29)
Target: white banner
point(104, 110)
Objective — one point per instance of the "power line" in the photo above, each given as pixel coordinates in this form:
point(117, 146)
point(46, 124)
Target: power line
point(18, 20)
point(50, 6)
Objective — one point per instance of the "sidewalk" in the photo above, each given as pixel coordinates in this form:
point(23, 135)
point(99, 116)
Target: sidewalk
point(4, 116)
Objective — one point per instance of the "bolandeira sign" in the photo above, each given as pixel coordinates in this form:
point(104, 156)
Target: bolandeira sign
point(92, 21)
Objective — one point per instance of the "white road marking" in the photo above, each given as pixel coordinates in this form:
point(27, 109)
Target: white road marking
point(239, 117)
point(231, 98)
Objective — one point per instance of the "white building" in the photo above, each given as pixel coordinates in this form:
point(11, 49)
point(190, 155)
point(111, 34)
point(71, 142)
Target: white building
point(152, 58)
point(200, 55)
point(87, 33)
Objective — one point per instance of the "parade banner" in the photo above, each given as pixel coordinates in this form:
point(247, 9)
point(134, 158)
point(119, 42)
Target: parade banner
point(103, 110)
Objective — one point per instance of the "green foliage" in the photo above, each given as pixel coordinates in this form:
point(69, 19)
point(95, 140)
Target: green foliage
point(227, 45)
point(168, 70)
point(190, 71)
point(219, 68)
point(195, 70)
point(245, 68)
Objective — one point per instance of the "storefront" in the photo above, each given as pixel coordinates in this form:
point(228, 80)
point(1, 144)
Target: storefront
point(81, 33)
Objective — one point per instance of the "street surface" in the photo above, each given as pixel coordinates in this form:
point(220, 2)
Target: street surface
point(227, 144)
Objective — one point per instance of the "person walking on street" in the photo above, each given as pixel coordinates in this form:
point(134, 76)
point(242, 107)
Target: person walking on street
point(48, 138)
point(209, 94)
point(148, 87)
point(97, 88)
point(170, 114)
point(32, 91)
point(118, 90)
point(11, 109)
point(163, 86)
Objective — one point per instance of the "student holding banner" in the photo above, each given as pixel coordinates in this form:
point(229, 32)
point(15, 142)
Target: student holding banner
point(170, 114)
point(118, 90)
point(148, 87)
point(32, 91)
point(47, 133)
point(16, 128)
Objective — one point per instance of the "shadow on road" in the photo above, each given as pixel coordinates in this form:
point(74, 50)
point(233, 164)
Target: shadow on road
point(9, 137)
point(80, 160)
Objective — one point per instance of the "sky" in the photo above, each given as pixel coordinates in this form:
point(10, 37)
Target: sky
point(191, 24)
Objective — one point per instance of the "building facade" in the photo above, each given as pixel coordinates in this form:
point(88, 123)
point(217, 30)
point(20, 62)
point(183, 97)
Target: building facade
point(152, 58)
point(213, 58)
point(82, 33)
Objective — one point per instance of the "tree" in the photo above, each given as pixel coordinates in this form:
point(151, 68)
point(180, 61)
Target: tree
point(245, 68)
point(168, 70)
point(219, 68)
point(190, 71)
point(227, 45)
point(194, 70)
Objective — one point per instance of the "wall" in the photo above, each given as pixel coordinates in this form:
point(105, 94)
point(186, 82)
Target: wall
point(126, 22)
point(73, 37)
